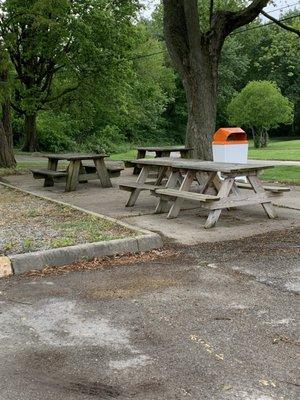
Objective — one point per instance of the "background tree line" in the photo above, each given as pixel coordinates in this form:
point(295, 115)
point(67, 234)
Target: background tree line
point(93, 75)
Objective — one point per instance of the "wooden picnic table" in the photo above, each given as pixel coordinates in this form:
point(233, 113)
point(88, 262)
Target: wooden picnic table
point(181, 174)
point(76, 171)
point(161, 151)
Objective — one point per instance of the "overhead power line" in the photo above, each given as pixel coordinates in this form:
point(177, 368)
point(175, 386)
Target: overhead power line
point(282, 8)
point(266, 24)
point(233, 33)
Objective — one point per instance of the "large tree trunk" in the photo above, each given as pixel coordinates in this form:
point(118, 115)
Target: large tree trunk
point(7, 159)
point(30, 143)
point(201, 94)
point(195, 53)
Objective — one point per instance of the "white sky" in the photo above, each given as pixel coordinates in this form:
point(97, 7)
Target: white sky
point(150, 6)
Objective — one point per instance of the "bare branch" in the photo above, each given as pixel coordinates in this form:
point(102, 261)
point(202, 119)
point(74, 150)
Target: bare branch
point(63, 93)
point(211, 10)
point(279, 23)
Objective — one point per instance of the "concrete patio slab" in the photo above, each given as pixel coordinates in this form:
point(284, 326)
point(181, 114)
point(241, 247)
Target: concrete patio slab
point(187, 228)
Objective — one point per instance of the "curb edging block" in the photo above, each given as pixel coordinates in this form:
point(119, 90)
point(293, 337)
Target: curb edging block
point(83, 252)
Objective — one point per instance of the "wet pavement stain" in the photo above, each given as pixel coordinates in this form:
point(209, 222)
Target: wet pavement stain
point(78, 386)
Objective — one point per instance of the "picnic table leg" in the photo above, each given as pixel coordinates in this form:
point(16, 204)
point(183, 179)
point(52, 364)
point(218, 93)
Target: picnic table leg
point(140, 154)
point(135, 193)
point(185, 185)
point(162, 173)
point(185, 153)
point(102, 173)
point(52, 165)
point(205, 181)
point(73, 175)
point(258, 188)
point(224, 191)
point(163, 205)
point(83, 172)
point(164, 153)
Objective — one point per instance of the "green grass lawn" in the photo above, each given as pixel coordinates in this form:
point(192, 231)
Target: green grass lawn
point(288, 174)
point(277, 150)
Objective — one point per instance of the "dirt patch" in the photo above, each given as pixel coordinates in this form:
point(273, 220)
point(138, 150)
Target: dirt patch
point(30, 224)
point(108, 262)
point(131, 289)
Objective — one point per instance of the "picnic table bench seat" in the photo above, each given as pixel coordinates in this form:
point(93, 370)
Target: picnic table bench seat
point(183, 194)
point(131, 186)
point(273, 189)
point(128, 163)
point(113, 170)
point(43, 172)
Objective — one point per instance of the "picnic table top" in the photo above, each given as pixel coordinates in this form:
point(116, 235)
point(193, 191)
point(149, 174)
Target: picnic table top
point(164, 148)
point(74, 156)
point(200, 165)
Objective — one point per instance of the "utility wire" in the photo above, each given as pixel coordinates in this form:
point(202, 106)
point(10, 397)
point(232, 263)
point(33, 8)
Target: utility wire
point(282, 8)
point(234, 33)
point(266, 24)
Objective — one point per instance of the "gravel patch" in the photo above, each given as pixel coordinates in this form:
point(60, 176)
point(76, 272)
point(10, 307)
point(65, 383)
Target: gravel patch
point(29, 224)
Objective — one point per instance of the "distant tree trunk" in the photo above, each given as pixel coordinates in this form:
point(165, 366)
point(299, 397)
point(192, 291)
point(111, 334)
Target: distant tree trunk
point(195, 54)
point(7, 159)
point(30, 143)
point(264, 138)
point(256, 137)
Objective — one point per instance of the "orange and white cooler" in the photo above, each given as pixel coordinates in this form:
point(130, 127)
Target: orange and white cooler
point(230, 145)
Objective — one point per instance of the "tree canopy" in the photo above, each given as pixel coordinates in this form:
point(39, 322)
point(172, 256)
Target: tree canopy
point(94, 75)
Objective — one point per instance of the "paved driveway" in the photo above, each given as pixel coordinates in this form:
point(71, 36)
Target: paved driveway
point(209, 322)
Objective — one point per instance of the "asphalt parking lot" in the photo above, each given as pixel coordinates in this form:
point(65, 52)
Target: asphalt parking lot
point(210, 322)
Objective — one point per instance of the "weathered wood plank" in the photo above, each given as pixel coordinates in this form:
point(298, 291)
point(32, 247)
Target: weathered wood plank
point(162, 205)
point(268, 188)
point(165, 148)
point(204, 166)
point(42, 173)
point(185, 185)
point(52, 164)
point(183, 194)
point(224, 191)
point(74, 156)
point(73, 175)
point(143, 175)
point(239, 201)
point(102, 173)
point(130, 186)
point(258, 188)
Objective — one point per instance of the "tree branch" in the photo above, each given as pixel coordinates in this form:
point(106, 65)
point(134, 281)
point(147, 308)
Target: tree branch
point(233, 20)
point(279, 23)
point(64, 92)
point(211, 11)
point(224, 22)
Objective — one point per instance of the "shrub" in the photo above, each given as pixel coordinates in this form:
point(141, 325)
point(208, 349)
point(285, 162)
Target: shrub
point(105, 140)
point(55, 132)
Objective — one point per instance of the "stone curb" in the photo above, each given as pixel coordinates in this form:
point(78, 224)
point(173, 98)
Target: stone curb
point(20, 263)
